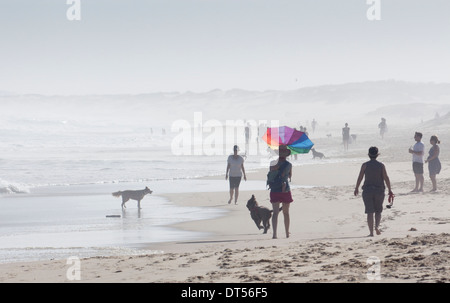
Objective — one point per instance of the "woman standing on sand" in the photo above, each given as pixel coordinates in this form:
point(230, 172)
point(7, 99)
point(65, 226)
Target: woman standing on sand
point(282, 192)
point(375, 176)
point(434, 165)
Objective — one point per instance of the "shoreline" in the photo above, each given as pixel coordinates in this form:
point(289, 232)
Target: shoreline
point(327, 225)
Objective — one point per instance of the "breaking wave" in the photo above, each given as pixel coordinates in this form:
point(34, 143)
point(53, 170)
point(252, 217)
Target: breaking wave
point(13, 188)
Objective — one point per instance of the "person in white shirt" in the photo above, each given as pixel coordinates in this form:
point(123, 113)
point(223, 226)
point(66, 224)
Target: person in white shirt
point(235, 169)
point(417, 152)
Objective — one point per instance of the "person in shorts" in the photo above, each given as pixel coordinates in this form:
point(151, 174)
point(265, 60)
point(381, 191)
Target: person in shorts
point(417, 152)
point(235, 170)
point(281, 196)
point(375, 177)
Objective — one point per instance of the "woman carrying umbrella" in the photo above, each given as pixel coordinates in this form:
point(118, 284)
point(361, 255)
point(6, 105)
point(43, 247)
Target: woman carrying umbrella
point(286, 140)
point(281, 193)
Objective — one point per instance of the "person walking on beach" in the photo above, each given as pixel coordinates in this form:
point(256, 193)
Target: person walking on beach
point(235, 169)
point(280, 192)
point(434, 165)
point(375, 177)
point(383, 127)
point(346, 136)
point(313, 125)
point(417, 152)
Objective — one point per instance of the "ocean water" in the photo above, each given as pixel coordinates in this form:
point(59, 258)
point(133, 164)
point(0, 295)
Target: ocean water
point(58, 172)
point(60, 221)
point(57, 177)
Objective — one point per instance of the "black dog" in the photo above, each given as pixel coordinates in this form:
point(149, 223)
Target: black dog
point(259, 214)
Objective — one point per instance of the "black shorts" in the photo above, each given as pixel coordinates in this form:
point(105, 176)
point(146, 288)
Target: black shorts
point(418, 168)
point(235, 182)
point(373, 201)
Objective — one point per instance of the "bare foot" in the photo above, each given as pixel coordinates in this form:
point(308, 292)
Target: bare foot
point(378, 231)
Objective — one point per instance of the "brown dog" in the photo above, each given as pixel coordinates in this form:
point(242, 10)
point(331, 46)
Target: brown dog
point(259, 214)
point(137, 195)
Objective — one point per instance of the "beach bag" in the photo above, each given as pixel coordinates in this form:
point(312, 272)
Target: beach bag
point(275, 179)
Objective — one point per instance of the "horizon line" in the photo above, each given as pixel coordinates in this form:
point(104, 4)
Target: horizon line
point(8, 93)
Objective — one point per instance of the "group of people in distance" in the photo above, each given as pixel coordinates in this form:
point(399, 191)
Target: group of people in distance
point(346, 132)
point(372, 172)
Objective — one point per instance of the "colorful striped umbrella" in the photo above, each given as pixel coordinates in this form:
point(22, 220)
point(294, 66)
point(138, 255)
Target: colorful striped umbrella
point(295, 140)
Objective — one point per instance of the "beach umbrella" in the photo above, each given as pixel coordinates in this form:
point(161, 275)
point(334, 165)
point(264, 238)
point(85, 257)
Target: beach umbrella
point(295, 140)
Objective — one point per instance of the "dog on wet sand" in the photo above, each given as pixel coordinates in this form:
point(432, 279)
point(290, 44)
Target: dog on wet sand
point(259, 214)
point(317, 154)
point(137, 195)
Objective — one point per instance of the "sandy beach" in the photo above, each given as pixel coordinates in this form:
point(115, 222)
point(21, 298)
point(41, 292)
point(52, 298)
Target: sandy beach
point(104, 97)
point(328, 241)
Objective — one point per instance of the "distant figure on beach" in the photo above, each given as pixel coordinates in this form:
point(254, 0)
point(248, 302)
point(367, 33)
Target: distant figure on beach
point(280, 192)
point(417, 152)
point(346, 136)
point(434, 165)
point(376, 177)
point(235, 169)
point(247, 133)
point(313, 125)
point(383, 127)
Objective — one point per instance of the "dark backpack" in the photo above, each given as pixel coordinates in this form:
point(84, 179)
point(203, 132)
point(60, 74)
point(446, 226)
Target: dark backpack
point(274, 178)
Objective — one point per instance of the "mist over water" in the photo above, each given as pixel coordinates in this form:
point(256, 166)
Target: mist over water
point(66, 146)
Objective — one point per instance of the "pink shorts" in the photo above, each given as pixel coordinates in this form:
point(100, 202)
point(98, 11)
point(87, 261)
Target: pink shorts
point(281, 197)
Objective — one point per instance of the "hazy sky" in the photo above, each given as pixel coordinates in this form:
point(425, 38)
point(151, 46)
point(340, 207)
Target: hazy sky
point(139, 46)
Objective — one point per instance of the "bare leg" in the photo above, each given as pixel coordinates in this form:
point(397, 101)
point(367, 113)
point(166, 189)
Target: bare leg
point(377, 223)
point(231, 195)
point(370, 223)
point(433, 181)
point(419, 183)
point(236, 195)
point(287, 219)
point(276, 211)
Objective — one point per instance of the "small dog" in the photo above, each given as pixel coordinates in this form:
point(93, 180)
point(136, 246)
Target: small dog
point(317, 154)
point(259, 214)
point(137, 195)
